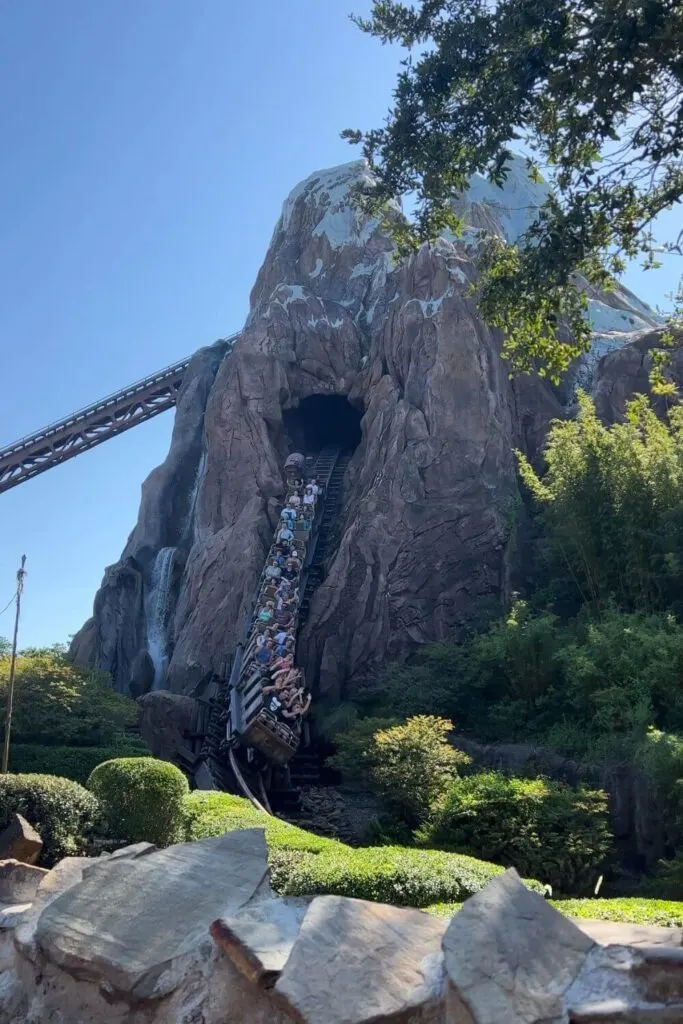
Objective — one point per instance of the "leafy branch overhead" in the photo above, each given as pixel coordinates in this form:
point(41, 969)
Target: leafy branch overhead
point(592, 89)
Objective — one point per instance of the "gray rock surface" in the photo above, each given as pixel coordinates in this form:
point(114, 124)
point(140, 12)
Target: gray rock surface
point(165, 719)
point(131, 921)
point(260, 938)
point(131, 939)
point(511, 957)
point(620, 933)
point(20, 841)
point(356, 962)
point(19, 881)
point(125, 939)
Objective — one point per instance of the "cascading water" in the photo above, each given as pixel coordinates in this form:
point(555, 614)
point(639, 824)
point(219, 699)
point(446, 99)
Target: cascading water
point(189, 532)
point(157, 613)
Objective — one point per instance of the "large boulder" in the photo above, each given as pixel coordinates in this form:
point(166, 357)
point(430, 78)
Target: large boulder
point(20, 841)
point(126, 938)
point(355, 963)
point(19, 881)
point(511, 958)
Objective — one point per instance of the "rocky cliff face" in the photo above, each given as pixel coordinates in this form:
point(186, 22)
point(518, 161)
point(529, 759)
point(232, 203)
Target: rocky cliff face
point(424, 529)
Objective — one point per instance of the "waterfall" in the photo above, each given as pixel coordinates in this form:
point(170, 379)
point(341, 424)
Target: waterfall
point(157, 613)
point(189, 530)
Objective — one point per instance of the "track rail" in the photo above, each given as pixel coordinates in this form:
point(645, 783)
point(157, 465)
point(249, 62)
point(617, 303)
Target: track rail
point(86, 428)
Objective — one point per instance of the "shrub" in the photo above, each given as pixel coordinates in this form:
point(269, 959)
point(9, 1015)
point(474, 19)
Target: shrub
point(60, 703)
point(62, 812)
point(356, 755)
point(414, 764)
point(75, 763)
point(661, 755)
point(141, 798)
point(544, 829)
point(386, 874)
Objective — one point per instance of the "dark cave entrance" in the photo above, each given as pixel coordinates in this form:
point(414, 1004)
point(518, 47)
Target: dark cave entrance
point(322, 420)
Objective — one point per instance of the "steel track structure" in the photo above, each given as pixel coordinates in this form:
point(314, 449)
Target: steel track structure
point(83, 430)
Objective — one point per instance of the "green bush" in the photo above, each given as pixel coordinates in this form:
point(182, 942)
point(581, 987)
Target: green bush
point(305, 864)
point(661, 755)
point(141, 799)
point(75, 763)
point(414, 764)
point(409, 764)
point(57, 702)
point(62, 812)
point(544, 829)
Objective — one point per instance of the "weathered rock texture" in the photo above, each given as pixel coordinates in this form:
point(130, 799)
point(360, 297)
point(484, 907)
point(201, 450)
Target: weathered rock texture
point(20, 841)
point(424, 530)
point(193, 935)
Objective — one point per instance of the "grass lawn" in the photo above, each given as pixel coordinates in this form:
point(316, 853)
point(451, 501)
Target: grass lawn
point(667, 913)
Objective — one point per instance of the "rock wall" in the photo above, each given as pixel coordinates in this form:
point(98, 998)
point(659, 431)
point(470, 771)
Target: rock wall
point(424, 530)
point(193, 934)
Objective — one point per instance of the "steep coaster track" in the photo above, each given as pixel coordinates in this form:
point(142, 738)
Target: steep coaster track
point(83, 430)
point(240, 727)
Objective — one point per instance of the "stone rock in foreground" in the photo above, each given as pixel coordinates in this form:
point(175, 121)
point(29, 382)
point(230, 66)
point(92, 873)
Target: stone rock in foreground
point(20, 841)
point(510, 957)
point(619, 933)
point(129, 921)
point(125, 939)
point(356, 962)
point(260, 938)
point(19, 881)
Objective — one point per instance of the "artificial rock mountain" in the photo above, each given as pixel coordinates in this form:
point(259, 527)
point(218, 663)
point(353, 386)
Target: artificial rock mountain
point(423, 533)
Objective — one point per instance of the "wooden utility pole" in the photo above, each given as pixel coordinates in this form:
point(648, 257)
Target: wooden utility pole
point(21, 572)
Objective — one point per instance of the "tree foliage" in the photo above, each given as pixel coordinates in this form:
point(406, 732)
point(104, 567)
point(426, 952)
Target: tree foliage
point(57, 702)
point(543, 828)
point(592, 88)
point(612, 507)
point(589, 688)
point(409, 764)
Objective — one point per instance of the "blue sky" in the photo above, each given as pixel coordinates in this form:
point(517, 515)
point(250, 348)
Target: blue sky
point(147, 146)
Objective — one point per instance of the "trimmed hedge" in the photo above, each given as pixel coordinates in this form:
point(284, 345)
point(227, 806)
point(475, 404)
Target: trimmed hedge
point(542, 828)
point(63, 813)
point(386, 874)
point(212, 814)
point(305, 864)
point(77, 763)
point(141, 799)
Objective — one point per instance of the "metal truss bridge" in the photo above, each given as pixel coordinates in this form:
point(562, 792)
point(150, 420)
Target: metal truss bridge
point(88, 427)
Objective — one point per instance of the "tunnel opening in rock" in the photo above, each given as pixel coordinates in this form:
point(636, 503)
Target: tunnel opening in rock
point(322, 420)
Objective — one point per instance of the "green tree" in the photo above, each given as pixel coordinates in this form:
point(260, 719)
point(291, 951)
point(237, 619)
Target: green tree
point(414, 765)
point(612, 506)
point(592, 88)
point(57, 702)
